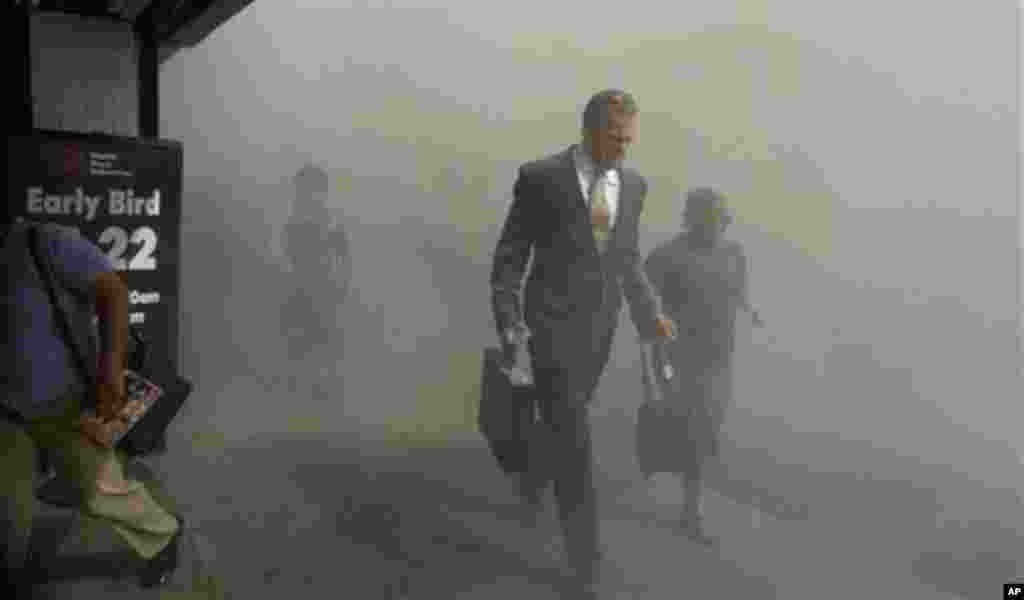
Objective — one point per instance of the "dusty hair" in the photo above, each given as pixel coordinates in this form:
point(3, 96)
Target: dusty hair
point(597, 113)
point(700, 199)
point(312, 178)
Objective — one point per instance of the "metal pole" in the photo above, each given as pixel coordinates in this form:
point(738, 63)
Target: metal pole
point(18, 30)
point(148, 81)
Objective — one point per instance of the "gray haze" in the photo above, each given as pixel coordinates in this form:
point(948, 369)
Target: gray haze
point(869, 149)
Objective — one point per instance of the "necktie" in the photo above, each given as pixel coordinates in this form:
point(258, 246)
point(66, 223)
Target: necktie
point(600, 212)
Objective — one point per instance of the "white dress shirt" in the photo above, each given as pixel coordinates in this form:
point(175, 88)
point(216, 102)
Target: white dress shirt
point(586, 170)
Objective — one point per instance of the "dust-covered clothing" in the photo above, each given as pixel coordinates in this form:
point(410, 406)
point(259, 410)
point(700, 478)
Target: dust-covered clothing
point(319, 257)
point(702, 290)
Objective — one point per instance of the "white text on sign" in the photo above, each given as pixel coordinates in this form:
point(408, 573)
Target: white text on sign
point(125, 203)
point(137, 297)
point(121, 203)
point(115, 240)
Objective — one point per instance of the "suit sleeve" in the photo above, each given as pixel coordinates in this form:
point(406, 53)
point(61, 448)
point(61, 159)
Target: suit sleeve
point(644, 303)
point(512, 254)
point(742, 284)
point(289, 243)
point(654, 268)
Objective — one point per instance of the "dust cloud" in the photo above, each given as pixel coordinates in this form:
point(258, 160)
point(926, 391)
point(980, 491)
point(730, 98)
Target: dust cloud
point(874, 191)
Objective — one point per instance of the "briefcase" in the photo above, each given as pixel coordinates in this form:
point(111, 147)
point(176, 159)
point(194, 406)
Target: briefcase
point(658, 433)
point(673, 429)
point(657, 441)
point(508, 415)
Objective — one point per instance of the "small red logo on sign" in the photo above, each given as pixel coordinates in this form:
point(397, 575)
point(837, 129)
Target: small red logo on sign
point(72, 161)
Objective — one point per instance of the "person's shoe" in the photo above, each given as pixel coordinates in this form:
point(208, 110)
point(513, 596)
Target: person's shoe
point(693, 529)
point(532, 501)
point(321, 392)
point(19, 592)
point(57, 491)
point(587, 591)
point(584, 585)
point(158, 570)
point(531, 514)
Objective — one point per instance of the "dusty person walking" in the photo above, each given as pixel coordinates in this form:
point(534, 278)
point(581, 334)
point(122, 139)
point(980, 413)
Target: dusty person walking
point(702, 280)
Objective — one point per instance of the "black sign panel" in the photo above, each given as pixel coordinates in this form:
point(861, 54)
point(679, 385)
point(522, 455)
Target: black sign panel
point(123, 194)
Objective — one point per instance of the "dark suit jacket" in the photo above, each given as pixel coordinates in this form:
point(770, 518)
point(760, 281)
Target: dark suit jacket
point(572, 294)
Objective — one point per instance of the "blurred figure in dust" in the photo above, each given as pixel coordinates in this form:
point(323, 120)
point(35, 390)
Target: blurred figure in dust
point(319, 261)
point(702, 280)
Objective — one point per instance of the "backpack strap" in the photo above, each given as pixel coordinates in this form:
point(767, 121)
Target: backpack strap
point(5, 229)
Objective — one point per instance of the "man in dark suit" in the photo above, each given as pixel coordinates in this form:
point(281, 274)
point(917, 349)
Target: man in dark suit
point(577, 214)
point(319, 258)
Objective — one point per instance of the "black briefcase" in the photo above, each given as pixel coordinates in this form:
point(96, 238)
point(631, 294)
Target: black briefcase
point(673, 429)
point(508, 415)
point(660, 433)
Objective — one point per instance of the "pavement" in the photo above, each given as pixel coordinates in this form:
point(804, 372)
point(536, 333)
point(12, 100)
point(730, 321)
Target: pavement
point(318, 511)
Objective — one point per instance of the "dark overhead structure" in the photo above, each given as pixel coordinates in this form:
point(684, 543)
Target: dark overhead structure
point(174, 24)
point(162, 27)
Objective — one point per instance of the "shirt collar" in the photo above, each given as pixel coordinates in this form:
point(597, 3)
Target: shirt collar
point(587, 165)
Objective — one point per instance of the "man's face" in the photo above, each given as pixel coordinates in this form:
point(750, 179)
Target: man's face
point(608, 145)
point(311, 193)
point(704, 220)
point(310, 202)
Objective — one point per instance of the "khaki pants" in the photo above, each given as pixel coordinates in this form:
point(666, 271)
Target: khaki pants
point(128, 506)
